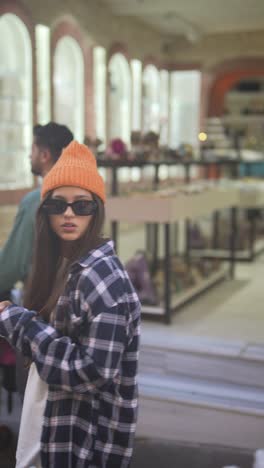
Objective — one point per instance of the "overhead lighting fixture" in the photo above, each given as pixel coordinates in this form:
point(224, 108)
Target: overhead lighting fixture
point(202, 136)
point(191, 32)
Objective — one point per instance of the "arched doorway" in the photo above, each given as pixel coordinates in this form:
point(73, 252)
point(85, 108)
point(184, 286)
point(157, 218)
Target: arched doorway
point(226, 75)
point(68, 84)
point(119, 116)
point(237, 99)
point(15, 103)
point(244, 112)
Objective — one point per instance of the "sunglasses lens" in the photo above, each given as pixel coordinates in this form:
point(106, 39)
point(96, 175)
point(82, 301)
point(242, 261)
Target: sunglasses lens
point(53, 206)
point(84, 207)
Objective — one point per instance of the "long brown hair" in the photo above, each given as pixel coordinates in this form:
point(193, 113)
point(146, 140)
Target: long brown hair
point(41, 294)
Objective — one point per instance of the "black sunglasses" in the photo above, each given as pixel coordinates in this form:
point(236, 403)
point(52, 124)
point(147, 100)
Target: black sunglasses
point(56, 206)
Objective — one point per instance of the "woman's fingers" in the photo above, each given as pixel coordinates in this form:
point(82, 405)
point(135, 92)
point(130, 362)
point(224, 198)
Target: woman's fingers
point(4, 304)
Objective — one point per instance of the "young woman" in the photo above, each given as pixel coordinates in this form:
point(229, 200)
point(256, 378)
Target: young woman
point(79, 329)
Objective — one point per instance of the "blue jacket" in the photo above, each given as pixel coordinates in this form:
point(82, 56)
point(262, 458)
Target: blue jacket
point(16, 254)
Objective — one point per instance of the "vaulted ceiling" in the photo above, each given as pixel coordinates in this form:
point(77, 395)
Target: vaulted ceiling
point(193, 19)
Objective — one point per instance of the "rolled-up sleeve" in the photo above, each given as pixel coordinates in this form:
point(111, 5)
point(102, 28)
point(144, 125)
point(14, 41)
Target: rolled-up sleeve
point(14, 322)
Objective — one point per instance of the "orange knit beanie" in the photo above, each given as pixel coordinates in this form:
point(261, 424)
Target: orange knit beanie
point(76, 167)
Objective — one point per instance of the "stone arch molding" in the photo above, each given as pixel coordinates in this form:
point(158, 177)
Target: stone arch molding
point(226, 75)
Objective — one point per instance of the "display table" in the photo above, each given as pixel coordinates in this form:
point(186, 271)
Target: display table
point(115, 165)
point(250, 195)
point(168, 207)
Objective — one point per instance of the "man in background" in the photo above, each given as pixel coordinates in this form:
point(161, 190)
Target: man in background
point(16, 254)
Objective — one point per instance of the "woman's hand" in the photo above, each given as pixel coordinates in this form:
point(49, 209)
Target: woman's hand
point(4, 304)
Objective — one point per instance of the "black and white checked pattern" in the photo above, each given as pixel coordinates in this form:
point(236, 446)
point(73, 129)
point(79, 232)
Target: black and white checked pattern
point(89, 358)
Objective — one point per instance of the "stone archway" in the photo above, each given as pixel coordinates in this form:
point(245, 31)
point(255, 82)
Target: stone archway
point(226, 76)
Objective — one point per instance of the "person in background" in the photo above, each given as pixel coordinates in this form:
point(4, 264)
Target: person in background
point(80, 329)
point(16, 254)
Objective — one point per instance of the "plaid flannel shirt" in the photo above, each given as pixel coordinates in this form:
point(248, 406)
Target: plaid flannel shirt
point(88, 357)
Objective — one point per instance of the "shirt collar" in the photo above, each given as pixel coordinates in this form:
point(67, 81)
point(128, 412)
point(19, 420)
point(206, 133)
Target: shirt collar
point(106, 249)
